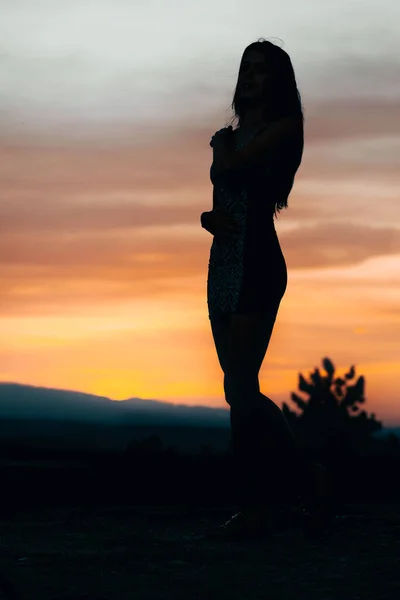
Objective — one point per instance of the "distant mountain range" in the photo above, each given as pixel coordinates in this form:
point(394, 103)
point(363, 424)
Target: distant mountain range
point(65, 418)
point(30, 402)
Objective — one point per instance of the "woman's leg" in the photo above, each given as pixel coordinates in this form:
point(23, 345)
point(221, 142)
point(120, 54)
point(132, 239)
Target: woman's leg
point(262, 440)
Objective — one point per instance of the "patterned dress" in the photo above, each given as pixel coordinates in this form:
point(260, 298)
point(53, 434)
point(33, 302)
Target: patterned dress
point(247, 273)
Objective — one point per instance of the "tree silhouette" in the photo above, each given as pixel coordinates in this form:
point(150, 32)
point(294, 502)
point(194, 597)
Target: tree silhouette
point(330, 419)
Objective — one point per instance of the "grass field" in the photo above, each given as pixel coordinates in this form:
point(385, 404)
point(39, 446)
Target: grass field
point(155, 553)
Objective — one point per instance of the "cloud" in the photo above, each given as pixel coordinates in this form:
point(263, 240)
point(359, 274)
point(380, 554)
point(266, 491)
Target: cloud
point(121, 213)
point(86, 68)
point(141, 262)
point(338, 243)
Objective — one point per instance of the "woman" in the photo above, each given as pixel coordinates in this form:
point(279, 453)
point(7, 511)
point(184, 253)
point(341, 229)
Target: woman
point(252, 173)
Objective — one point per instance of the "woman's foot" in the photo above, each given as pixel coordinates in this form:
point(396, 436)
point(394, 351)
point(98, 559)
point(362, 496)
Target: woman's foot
point(246, 524)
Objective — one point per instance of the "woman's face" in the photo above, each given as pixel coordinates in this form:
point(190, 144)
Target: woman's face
point(253, 75)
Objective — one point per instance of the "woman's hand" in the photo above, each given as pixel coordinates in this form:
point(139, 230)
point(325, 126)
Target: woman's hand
point(219, 221)
point(222, 145)
point(222, 138)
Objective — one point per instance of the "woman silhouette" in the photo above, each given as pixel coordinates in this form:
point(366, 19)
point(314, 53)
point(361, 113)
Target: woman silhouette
point(252, 174)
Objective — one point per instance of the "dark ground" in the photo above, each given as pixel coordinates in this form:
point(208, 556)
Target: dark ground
point(155, 553)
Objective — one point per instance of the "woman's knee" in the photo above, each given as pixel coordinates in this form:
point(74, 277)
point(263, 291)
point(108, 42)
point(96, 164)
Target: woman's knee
point(242, 390)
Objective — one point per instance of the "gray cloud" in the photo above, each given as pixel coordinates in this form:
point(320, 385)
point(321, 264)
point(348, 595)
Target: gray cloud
point(83, 67)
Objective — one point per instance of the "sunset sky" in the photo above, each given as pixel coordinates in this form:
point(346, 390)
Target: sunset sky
point(107, 108)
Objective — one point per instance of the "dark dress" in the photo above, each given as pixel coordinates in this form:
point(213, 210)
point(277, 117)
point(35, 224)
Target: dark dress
point(248, 274)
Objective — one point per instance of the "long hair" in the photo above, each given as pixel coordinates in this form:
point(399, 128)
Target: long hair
point(281, 95)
